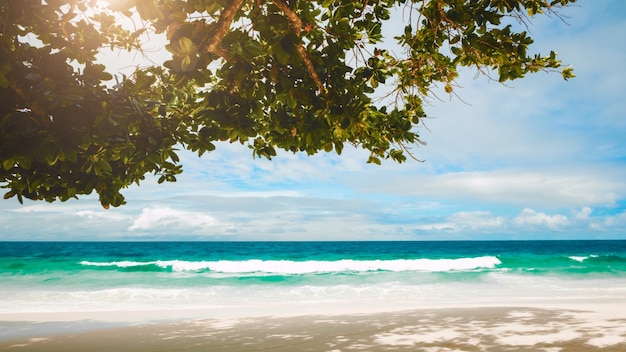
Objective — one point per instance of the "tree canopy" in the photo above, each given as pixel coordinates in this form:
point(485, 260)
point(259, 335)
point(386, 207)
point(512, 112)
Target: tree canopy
point(302, 76)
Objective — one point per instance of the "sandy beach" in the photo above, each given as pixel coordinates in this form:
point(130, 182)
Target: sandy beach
point(517, 300)
point(445, 329)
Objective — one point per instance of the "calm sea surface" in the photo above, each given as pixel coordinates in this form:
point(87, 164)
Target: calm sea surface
point(219, 276)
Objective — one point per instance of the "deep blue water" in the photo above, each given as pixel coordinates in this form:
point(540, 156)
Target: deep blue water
point(308, 250)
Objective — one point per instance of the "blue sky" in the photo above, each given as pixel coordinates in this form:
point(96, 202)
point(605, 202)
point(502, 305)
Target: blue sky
point(539, 158)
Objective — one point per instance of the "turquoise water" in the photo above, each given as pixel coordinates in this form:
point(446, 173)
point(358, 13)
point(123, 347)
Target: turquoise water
point(98, 276)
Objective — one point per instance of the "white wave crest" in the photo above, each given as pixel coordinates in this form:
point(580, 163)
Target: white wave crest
point(582, 258)
point(119, 264)
point(289, 267)
point(578, 258)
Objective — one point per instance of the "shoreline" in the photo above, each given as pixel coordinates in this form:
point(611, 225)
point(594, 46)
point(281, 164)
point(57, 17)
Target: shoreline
point(513, 328)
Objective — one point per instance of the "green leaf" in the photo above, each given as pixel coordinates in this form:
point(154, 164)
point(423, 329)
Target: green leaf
point(186, 63)
point(186, 46)
point(568, 72)
point(8, 164)
point(148, 10)
point(178, 16)
point(4, 69)
point(373, 160)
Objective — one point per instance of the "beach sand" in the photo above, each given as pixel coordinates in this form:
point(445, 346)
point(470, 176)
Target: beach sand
point(446, 329)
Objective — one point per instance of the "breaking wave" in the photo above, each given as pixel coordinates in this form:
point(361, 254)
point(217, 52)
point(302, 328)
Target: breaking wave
point(288, 267)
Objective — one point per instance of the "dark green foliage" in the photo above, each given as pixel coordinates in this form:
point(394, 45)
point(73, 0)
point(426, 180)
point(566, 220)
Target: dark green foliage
point(301, 76)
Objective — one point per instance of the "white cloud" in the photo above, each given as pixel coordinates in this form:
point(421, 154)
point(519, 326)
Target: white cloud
point(463, 222)
point(436, 227)
point(101, 215)
point(151, 218)
point(612, 224)
point(568, 188)
point(39, 208)
point(476, 219)
point(531, 217)
point(255, 194)
point(237, 164)
point(584, 213)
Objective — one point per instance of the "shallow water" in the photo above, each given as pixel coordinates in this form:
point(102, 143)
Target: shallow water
point(134, 276)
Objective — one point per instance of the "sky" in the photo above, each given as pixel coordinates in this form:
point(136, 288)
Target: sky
point(537, 158)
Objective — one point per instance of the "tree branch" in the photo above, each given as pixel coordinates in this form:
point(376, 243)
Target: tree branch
point(294, 19)
point(296, 26)
point(222, 27)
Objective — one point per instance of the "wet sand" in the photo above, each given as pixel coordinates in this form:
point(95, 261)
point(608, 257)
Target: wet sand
point(449, 329)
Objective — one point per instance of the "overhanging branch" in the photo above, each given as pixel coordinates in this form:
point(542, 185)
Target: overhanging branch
point(222, 27)
point(294, 19)
point(296, 26)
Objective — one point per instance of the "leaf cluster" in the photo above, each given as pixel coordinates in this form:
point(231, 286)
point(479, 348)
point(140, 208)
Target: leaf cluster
point(301, 76)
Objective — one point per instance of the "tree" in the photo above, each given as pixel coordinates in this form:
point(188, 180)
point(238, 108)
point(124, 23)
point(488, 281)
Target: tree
point(303, 76)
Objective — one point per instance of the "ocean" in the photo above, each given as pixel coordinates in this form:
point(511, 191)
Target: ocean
point(256, 278)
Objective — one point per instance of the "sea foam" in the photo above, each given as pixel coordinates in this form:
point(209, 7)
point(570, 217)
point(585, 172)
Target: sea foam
point(288, 267)
point(581, 259)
